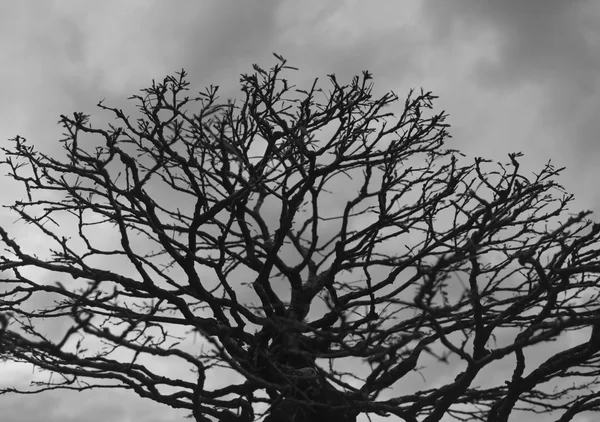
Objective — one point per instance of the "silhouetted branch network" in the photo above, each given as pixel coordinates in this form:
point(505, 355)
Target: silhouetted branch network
point(309, 246)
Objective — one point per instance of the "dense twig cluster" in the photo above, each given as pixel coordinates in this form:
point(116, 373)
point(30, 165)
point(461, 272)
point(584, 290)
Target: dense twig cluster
point(295, 230)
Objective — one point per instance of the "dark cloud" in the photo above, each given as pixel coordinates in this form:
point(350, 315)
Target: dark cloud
point(537, 41)
point(223, 39)
point(545, 47)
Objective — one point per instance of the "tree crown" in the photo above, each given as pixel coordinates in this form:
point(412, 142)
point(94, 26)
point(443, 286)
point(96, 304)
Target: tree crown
point(322, 246)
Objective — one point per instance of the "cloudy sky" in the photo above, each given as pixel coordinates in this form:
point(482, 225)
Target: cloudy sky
point(514, 75)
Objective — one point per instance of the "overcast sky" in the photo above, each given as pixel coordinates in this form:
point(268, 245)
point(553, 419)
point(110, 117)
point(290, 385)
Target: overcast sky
point(514, 75)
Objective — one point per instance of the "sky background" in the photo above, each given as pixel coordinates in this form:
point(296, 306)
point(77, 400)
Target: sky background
point(514, 75)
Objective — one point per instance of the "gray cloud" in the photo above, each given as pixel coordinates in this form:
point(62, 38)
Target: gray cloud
point(88, 406)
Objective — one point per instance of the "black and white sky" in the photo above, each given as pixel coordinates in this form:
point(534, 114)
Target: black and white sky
point(514, 75)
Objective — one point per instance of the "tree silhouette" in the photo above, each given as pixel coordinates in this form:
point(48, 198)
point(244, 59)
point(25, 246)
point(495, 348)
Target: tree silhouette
point(311, 247)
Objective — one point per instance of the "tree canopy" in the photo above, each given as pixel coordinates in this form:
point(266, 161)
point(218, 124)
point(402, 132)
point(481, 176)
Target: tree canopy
point(317, 248)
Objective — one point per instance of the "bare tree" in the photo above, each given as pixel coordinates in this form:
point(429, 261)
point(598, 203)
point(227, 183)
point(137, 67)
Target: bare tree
point(321, 248)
